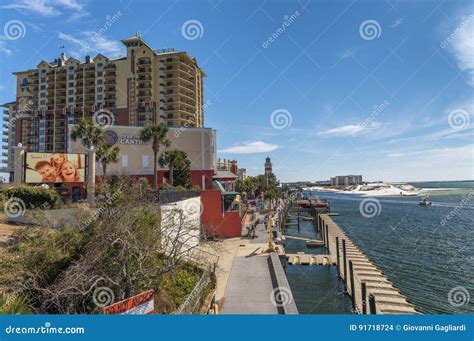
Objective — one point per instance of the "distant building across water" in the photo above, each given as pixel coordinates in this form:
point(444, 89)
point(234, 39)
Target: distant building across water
point(346, 180)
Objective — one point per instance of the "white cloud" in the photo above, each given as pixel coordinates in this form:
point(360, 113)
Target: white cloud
point(71, 4)
point(350, 129)
point(250, 148)
point(3, 48)
point(40, 7)
point(463, 45)
point(46, 8)
point(448, 154)
point(92, 42)
point(397, 22)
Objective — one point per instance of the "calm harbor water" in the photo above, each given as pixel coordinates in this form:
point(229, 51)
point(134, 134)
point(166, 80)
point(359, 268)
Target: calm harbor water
point(316, 289)
point(427, 252)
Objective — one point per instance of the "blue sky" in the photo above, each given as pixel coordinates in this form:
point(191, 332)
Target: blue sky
point(378, 88)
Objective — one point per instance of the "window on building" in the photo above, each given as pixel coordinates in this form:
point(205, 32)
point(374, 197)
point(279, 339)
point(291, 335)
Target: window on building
point(70, 99)
point(99, 89)
point(42, 102)
point(43, 80)
point(71, 68)
point(71, 83)
point(100, 81)
point(70, 92)
point(43, 87)
point(99, 97)
point(100, 64)
point(124, 161)
point(43, 95)
point(145, 160)
point(71, 77)
point(99, 74)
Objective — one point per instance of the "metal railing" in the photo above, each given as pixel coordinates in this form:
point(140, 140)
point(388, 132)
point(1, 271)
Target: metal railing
point(195, 298)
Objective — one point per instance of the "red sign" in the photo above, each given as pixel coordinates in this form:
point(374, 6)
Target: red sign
point(136, 305)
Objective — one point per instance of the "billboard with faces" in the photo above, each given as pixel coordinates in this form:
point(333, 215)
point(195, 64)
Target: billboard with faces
point(54, 167)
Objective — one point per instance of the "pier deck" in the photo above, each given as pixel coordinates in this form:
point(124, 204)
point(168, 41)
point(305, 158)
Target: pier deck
point(255, 279)
point(370, 289)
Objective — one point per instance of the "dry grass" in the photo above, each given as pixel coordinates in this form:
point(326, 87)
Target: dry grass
point(6, 230)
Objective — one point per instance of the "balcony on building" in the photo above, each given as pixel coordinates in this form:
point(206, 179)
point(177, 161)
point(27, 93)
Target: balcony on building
point(142, 70)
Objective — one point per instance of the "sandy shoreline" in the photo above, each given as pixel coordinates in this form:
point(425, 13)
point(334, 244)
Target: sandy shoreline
point(372, 190)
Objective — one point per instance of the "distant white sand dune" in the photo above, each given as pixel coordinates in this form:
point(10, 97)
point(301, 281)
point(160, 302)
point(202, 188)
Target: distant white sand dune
point(373, 190)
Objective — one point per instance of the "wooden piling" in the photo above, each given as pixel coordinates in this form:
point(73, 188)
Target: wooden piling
point(344, 259)
point(351, 275)
point(327, 237)
point(363, 290)
point(377, 294)
point(372, 306)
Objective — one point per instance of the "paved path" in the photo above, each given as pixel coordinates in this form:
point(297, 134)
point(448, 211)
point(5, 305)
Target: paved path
point(249, 288)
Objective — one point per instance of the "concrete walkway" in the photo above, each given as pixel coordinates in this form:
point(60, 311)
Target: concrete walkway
point(249, 287)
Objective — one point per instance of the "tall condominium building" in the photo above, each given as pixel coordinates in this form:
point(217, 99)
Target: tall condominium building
point(144, 87)
point(346, 180)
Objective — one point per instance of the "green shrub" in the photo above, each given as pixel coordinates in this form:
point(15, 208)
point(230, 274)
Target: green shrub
point(13, 304)
point(179, 284)
point(35, 197)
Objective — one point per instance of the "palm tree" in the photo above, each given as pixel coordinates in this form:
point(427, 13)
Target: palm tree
point(156, 134)
point(90, 134)
point(91, 137)
point(107, 153)
point(172, 158)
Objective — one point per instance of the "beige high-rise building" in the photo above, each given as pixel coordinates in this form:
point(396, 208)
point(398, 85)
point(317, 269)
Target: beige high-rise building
point(144, 87)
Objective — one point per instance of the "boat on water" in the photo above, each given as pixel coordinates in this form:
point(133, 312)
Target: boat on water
point(424, 202)
point(318, 204)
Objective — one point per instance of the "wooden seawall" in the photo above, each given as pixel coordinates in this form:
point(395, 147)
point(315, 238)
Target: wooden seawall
point(371, 291)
